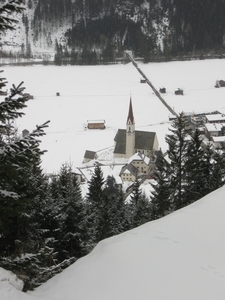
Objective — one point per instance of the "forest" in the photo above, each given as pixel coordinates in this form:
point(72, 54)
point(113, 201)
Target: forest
point(153, 30)
point(90, 32)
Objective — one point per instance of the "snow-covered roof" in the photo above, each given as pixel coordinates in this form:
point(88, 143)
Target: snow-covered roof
point(214, 126)
point(215, 118)
point(140, 157)
point(218, 139)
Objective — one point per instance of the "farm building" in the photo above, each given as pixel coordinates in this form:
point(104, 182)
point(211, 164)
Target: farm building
point(215, 118)
point(89, 155)
point(162, 90)
point(96, 124)
point(179, 91)
point(220, 83)
point(214, 129)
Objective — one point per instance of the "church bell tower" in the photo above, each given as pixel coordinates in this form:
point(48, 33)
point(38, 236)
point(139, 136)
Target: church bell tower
point(130, 132)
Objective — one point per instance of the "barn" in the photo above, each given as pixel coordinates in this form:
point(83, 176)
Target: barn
point(96, 124)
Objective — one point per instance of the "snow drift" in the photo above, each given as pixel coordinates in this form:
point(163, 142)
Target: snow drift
point(180, 256)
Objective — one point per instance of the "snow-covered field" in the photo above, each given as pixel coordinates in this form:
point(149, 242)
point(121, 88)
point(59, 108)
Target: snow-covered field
point(178, 257)
point(103, 92)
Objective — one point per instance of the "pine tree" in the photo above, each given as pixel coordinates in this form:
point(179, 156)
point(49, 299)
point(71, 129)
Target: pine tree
point(17, 155)
point(160, 196)
point(94, 203)
point(7, 10)
point(177, 153)
point(72, 237)
point(195, 178)
point(113, 209)
point(219, 167)
point(139, 207)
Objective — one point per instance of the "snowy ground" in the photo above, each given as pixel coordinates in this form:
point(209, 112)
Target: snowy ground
point(178, 257)
point(103, 92)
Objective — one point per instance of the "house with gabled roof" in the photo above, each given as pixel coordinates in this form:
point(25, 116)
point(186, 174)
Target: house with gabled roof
point(128, 173)
point(129, 141)
point(141, 162)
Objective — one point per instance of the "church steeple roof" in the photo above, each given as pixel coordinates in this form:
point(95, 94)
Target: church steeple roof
point(130, 118)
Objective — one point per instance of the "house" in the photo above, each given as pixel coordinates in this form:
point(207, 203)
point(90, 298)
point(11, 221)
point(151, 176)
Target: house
point(219, 141)
point(89, 155)
point(141, 162)
point(214, 129)
point(96, 124)
point(128, 173)
point(215, 118)
point(129, 141)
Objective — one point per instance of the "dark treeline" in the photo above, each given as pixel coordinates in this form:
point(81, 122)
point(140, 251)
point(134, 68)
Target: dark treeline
point(98, 32)
point(161, 31)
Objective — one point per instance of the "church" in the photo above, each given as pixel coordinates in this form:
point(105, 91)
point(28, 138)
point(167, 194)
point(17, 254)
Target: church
point(129, 141)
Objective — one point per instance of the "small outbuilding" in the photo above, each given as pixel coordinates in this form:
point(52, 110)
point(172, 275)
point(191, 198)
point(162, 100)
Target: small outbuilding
point(162, 90)
point(96, 124)
point(3, 93)
point(179, 91)
point(220, 83)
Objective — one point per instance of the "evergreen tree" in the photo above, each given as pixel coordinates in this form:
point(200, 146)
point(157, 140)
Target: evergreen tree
point(195, 178)
point(113, 209)
point(94, 201)
point(72, 237)
point(177, 153)
point(17, 156)
point(139, 207)
point(208, 169)
point(219, 167)
point(214, 168)
point(7, 19)
point(160, 196)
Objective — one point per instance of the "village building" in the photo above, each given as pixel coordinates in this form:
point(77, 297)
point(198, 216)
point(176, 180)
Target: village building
point(138, 165)
point(141, 162)
point(96, 124)
point(129, 141)
point(128, 173)
point(89, 155)
point(214, 129)
point(218, 141)
point(215, 118)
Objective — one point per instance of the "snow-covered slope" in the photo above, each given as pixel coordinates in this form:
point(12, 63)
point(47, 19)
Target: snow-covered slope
point(180, 256)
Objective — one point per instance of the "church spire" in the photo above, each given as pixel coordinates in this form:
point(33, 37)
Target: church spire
point(130, 118)
point(130, 132)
